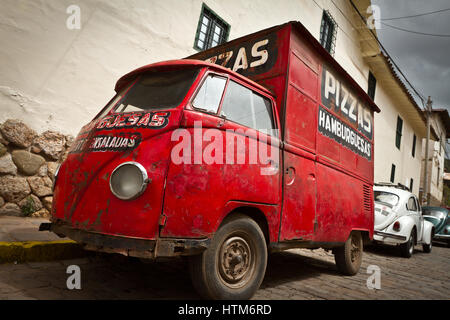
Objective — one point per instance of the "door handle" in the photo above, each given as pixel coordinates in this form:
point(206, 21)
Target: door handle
point(290, 172)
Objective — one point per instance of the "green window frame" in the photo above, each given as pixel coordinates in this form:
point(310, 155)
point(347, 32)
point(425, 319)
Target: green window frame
point(372, 85)
point(398, 132)
point(393, 173)
point(328, 32)
point(438, 175)
point(211, 30)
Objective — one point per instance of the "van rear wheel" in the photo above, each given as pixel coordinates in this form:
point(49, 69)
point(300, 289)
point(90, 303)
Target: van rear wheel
point(234, 264)
point(349, 257)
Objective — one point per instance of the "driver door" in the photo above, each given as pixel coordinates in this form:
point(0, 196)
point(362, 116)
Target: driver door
point(421, 220)
point(413, 211)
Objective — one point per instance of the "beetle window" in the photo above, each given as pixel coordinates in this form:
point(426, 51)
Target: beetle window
point(243, 106)
point(209, 96)
point(158, 90)
point(386, 198)
point(411, 205)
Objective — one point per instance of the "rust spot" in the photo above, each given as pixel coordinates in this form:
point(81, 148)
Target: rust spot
point(97, 221)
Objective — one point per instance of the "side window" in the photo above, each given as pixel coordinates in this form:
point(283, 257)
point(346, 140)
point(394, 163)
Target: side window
point(419, 208)
point(263, 113)
point(411, 205)
point(243, 106)
point(209, 96)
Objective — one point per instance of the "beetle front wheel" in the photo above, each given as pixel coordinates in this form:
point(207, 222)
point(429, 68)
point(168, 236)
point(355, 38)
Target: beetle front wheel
point(428, 247)
point(349, 257)
point(234, 264)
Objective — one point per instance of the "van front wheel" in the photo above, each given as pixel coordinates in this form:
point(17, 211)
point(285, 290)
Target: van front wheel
point(234, 264)
point(349, 257)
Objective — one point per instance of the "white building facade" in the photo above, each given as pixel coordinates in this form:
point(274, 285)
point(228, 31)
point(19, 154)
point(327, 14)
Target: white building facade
point(57, 73)
point(440, 122)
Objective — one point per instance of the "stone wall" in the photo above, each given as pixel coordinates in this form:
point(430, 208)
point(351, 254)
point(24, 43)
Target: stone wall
point(28, 162)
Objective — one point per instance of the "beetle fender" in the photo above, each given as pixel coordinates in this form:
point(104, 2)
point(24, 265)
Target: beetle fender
point(406, 225)
point(427, 232)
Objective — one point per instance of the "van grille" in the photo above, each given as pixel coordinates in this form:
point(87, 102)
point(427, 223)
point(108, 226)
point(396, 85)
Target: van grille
point(367, 192)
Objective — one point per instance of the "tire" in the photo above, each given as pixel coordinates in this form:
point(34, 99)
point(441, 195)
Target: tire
point(407, 248)
point(349, 257)
point(428, 247)
point(234, 264)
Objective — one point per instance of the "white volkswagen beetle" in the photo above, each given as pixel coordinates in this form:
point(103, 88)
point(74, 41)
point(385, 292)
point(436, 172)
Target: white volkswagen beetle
point(398, 219)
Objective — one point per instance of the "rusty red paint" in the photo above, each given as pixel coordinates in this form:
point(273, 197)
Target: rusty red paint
point(317, 195)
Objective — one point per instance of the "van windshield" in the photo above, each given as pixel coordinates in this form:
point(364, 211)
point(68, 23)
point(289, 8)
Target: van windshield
point(154, 91)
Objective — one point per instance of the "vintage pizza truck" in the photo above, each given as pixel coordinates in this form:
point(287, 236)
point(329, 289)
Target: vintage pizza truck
point(262, 144)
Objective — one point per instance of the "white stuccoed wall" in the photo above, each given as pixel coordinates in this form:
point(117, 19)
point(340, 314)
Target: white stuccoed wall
point(55, 78)
point(386, 153)
point(436, 164)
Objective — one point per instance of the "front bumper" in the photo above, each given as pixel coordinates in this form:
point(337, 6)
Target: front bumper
point(133, 247)
point(388, 237)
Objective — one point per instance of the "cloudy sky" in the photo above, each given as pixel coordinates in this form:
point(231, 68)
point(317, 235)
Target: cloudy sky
point(425, 60)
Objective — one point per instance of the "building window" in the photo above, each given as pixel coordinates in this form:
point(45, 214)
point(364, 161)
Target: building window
point(398, 135)
point(411, 183)
point(393, 173)
point(328, 31)
point(211, 30)
point(438, 174)
point(372, 85)
point(414, 146)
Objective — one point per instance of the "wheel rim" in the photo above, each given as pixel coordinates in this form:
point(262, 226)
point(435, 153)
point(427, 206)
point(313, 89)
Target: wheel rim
point(431, 239)
point(236, 262)
point(411, 245)
point(355, 251)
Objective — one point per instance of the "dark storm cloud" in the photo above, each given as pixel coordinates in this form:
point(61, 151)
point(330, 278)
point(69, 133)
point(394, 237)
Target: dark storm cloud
point(425, 60)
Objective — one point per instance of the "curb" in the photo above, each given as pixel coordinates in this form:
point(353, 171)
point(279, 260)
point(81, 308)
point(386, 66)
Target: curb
point(37, 251)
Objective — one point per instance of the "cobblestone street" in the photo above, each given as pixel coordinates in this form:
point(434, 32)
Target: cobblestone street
point(295, 274)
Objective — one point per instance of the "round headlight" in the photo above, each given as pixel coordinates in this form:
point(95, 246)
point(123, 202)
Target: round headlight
point(128, 180)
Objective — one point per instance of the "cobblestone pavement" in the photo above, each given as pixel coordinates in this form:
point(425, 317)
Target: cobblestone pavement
point(295, 274)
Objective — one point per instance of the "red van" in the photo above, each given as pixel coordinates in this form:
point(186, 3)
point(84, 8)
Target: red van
point(262, 144)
